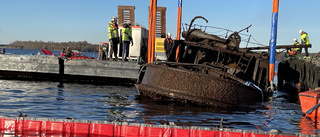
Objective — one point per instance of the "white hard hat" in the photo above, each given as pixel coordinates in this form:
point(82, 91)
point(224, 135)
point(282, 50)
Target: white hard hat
point(128, 22)
point(114, 18)
point(295, 40)
point(300, 31)
point(169, 34)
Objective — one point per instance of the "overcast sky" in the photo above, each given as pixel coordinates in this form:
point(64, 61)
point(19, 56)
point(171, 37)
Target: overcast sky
point(87, 20)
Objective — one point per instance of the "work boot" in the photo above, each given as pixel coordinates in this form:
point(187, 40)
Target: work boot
point(116, 58)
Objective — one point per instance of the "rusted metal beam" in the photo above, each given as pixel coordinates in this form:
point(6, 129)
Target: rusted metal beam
point(199, 35)
point(279, 47)
point(200, 45)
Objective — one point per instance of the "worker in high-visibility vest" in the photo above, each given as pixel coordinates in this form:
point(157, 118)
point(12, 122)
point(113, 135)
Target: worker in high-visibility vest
point(295, 42)
point(294, 51)
point(126, 33)
point(168, 45)
point(113, 37)
point(304, 38)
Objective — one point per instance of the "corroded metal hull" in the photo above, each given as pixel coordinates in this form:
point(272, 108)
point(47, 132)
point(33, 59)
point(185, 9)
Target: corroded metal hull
point(161, 81)
point(208, 70)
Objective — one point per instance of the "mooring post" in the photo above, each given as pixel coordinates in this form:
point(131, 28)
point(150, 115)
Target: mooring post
point(3, 51)
point(273, 42)
point(61, 72)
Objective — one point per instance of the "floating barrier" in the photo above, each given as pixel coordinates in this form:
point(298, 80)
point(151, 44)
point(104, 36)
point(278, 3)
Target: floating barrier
point(25, 126)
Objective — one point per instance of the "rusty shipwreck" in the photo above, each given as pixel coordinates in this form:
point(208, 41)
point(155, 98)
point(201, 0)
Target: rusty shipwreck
point(209, 70)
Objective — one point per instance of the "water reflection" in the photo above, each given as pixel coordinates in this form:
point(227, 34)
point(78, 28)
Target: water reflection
point(115, 103)
point(310, 125)
point(60, 94)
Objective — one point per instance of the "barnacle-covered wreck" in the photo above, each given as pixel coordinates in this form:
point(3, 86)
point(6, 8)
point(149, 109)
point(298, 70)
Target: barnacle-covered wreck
point(210, 70)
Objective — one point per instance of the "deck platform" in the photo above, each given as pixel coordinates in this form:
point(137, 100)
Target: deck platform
point(54, 67)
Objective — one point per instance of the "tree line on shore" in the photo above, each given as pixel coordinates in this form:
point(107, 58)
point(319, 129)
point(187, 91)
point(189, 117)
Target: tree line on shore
point(83, 46)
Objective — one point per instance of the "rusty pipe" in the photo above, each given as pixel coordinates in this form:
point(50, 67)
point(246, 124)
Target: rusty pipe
point(198, 35)
point(196, 17)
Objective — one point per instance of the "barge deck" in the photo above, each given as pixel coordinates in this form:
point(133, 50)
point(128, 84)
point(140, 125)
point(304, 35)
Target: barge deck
point(57, 69)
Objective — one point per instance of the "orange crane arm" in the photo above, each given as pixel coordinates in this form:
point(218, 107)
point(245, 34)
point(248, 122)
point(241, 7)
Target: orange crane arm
point(179, 19)
point(178, 27)
point(152, 29)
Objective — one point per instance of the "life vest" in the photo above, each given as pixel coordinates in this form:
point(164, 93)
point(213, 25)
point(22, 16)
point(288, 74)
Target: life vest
point(305, 39)
point(295, 49)
point(112, 30)
point(169, 41)
point(292, 53)
point(126, 34)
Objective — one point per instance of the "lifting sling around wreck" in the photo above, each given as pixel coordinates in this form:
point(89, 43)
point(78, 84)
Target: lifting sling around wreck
point(209, 70)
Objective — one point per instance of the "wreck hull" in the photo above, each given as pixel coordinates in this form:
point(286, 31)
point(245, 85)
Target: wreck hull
point(186, 85)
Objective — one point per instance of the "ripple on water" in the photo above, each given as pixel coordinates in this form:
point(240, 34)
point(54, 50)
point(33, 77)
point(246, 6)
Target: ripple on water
point(92, 102)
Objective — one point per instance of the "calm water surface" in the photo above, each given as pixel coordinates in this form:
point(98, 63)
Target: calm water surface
point(108, 103)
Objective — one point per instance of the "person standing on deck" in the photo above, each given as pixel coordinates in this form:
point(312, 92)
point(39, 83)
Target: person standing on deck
point(168, 45)
point(304, 38)
point(126, 39)
point(113, 37)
